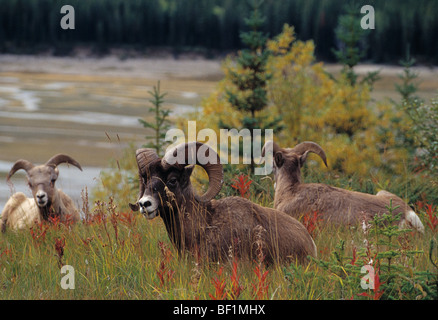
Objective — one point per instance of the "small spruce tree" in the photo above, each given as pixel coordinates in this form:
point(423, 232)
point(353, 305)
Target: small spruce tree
point(408, 88)
point(160, 124)
point(420, 137)
point(248, 93)
point(352, 45)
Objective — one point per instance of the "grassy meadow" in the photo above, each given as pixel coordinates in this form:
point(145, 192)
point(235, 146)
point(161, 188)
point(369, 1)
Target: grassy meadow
point(118, 254)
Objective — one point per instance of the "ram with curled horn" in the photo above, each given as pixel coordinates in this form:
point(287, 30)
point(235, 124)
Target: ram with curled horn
point(48, 201)
point(335, 205)
point(211, 228)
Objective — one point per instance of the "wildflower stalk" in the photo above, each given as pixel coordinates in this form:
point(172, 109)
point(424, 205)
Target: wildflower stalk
point(59, 248)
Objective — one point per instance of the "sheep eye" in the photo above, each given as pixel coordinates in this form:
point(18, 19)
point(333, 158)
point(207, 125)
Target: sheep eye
point(172, 182)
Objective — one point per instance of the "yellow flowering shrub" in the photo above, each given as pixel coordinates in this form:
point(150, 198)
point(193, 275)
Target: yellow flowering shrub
point(332, 112)
point(357, 135)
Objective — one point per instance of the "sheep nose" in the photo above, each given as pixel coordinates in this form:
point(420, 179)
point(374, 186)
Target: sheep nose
point(40, 195)
point(145, 203)
point(41, 198)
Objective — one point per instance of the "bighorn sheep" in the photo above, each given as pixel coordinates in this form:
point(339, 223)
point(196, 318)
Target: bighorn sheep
point(336, 205)
point(214, 228)
point(20, 211)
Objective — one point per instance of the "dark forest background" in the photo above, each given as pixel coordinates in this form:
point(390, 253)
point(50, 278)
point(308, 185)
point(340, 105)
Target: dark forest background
point(212, 27)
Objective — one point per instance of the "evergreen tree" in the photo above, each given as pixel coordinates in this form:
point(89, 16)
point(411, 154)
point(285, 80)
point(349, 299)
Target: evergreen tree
point(352, 45)
point(408, 88)
point(249, 93)
point(160, 124)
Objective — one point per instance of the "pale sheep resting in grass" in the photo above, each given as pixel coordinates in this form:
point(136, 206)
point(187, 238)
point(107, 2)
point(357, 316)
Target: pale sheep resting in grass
point(48, 201)
point(336, 205)
point(214, 229)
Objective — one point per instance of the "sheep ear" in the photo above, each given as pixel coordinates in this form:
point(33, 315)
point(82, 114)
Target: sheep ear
point(303, 158)
point(188, 170)
point(279, 160)
point(186, 174)
point(134, 207)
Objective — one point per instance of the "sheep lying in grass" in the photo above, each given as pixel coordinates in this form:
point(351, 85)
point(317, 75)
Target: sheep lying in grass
point(336, 205)
point(20, 211)
point(214, 228)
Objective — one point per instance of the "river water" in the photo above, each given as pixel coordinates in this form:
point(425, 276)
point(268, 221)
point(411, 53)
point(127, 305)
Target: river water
point(86, 108)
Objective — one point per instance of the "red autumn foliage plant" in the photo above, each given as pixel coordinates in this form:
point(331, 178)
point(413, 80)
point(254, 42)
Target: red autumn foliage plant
point(219, 286)
point(236, 287)
point(431, 214)
point(59, 248)
point(242, 184)
point(38, 232)
point(377, 292)
point(164, 273)
point(311, 221)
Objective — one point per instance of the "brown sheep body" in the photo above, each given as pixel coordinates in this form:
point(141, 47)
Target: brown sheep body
point(216, 229)
point(20, 211)
point(335, 205)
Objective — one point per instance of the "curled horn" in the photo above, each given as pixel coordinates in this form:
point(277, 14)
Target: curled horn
point(145, 157)
point(214, 170)
point(268, 144)
point(309, 146)
point(62, 158)
point(18, 165)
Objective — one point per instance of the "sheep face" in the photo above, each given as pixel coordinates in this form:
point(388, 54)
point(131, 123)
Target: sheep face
point(165, 185)
point(288, 161)
point(163, 189)
point(41, 180)
point(287, 165)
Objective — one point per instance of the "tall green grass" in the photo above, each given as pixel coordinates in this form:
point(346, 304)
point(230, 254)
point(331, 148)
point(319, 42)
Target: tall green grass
point(121, 255)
